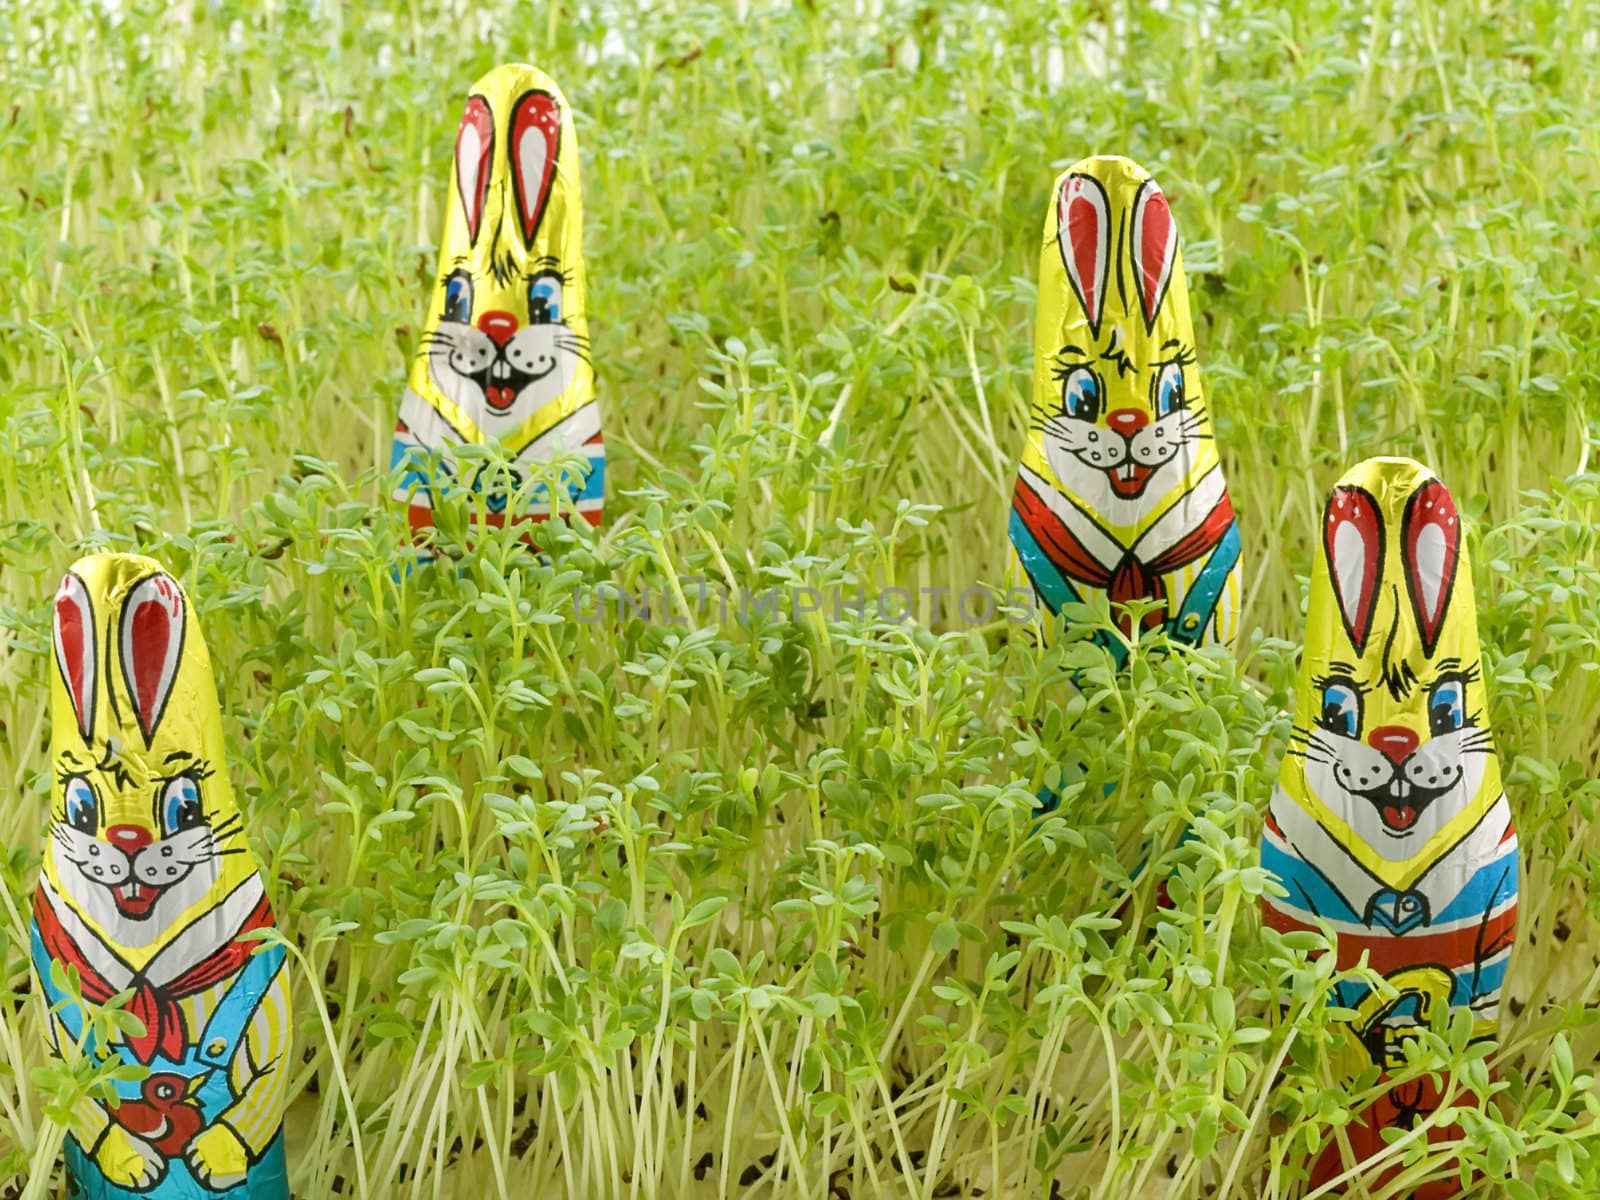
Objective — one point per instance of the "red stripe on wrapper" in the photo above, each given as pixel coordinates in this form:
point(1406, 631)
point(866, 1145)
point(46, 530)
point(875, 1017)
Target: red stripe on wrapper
point(1452, 950)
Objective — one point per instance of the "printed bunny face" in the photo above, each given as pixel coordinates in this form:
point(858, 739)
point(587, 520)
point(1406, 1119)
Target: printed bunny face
point(145, 838)
point(506, 334)
point(1392, 752)
point(1117, 408)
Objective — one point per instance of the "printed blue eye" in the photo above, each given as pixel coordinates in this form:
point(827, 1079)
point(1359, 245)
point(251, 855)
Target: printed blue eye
point(544, 299)
point(1169, 389)
point(1447, 706)
point(458, 298)
point(1341, 708)
point(83, 806)
point(1080, 394)
point(180, 805)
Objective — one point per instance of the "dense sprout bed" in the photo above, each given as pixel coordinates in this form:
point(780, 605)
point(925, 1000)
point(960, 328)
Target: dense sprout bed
point(760, 906)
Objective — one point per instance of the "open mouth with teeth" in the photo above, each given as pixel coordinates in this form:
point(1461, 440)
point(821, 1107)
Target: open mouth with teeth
point(502, 383)
point(1401, 803)
point(1128, 480)
point(134, 899)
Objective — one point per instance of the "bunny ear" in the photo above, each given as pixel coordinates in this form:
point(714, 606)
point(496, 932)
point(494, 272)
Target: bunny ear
point(535, 142)
point(1352, 537)
point(474, 153)
point(1430, 538)
point(1083, 231)
point(1155, 246)
point(75, 658)
point(152, 643)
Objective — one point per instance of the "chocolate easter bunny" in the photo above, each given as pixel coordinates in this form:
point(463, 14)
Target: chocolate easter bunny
point(504, 355)
point(1389, 821)
point(148, 886)
point(1120, 489)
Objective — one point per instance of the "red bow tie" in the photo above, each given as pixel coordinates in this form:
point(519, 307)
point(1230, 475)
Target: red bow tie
point(155, 1005)
point(1132, 578)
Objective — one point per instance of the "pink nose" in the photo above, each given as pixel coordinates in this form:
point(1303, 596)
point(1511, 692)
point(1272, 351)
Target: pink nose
point(1127, 421)
point(498, 325)
point(130, 839)
point(1393, 741)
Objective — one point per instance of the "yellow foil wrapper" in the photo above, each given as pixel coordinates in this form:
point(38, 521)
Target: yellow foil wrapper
point(1389, 822)
point(1120, 489)
point(504, 355)
point(148, 886)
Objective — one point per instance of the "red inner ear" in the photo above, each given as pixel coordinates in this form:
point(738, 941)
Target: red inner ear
point(74, 638)
point(474, 153)
point(1083, 220)
point(1155, 243)
point(1352, 538)
point(1430, 532)
point(152, 641)
point(535, 143)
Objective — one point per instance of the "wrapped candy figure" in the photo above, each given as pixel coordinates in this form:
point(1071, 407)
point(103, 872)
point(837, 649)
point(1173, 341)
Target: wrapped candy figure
point(504, 355)
point(148, 886)
point(1120, 489)
point(1389, 822)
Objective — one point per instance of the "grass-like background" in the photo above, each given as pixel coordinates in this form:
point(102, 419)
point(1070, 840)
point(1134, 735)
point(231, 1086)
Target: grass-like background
point(632, 909)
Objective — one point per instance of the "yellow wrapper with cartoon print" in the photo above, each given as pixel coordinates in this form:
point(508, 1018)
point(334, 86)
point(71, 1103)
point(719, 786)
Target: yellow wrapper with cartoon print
point(1389, 822)
point(504, 353)
point(148, 886)
point(1119, 489)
